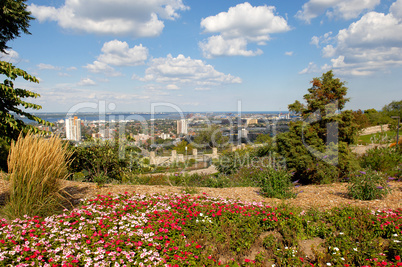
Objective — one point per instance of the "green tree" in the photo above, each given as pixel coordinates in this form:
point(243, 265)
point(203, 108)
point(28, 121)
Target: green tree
point(263, 138)
point(11, 101)
point(181, 147)
point(296, 107)
point(14, 19)
point(393, 109)
point(211, 137)
point(376, 118)
point(317, 147)
point(361, 119)
point(325, 99)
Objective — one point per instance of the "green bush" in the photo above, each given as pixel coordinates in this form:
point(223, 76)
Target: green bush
point(368, 185)
point(337, 163)
point(276, 183)
point(99, 159)
point(231, 162)
point(387, 160)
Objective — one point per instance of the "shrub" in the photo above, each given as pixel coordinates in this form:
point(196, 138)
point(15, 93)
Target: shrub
point(36, 167)
point(368, 185)
point(385, 159)
point(276, 183)
point(337, 163)
point(99, 159)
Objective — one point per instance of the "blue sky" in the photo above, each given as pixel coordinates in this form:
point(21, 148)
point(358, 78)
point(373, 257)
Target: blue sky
point(208, 55)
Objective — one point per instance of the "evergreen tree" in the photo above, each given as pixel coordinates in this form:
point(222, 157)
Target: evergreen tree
point(317, 147)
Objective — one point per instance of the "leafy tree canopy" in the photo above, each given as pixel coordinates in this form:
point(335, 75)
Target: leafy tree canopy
point(181, 148)
point(393, 109)
point(316, 149)
point(263, 138)
point(14, 18)
point(210, 137)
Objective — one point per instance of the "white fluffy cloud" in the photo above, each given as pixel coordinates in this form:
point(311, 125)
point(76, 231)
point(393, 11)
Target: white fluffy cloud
point(86, 82)
point(396, 9)
point(10, 56)
point(311, 68)
point(373, 43)
point(218, 46)
point(140, 18)
point(102, 67)
point(119, 53)
point(344, 9)
point(239, 26)
point(43, 66)
point(184, 70)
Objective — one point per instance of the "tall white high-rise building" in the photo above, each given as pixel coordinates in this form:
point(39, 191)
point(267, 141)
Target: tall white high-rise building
point(182, 126)
point(243, 133)
point(73, 129)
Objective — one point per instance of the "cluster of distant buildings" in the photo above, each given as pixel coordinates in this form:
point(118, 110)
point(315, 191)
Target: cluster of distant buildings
point(241, 127)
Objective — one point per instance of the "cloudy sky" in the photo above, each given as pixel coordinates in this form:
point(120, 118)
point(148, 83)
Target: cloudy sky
point(208, 55)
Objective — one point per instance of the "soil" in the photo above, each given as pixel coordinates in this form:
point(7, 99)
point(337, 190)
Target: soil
point(321, 197)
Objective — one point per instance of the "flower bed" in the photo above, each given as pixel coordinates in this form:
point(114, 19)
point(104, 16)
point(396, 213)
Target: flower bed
point(181, 230)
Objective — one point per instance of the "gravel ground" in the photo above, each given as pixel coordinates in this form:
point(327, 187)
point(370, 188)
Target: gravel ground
point(321, 197)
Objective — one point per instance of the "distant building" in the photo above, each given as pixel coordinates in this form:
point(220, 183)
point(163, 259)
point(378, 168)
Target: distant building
point(105, 134)
point(242, 134)
point(250, 121)
point(182, 127)
point(164, 136)
point(73, 129)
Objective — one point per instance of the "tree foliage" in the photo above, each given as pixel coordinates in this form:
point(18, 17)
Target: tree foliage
point(11, 101)
point(99, 159)
point(361, 119)
point(325, 100)
point(393, 109)
point(14, 19)
point(181, 147)
point(210, 137)
point(316, 149)
point(263, 139)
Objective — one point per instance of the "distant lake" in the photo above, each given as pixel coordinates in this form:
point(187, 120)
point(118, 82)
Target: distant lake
point(54, 117)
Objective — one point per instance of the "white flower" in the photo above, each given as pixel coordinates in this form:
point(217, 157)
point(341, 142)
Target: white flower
point(329, 264)
point(355, 249)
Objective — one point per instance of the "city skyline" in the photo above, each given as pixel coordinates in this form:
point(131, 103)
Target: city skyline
point(209, 55)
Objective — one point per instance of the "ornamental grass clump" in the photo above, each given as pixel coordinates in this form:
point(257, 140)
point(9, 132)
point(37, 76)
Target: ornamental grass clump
point(368, 185)
point(36, 166)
